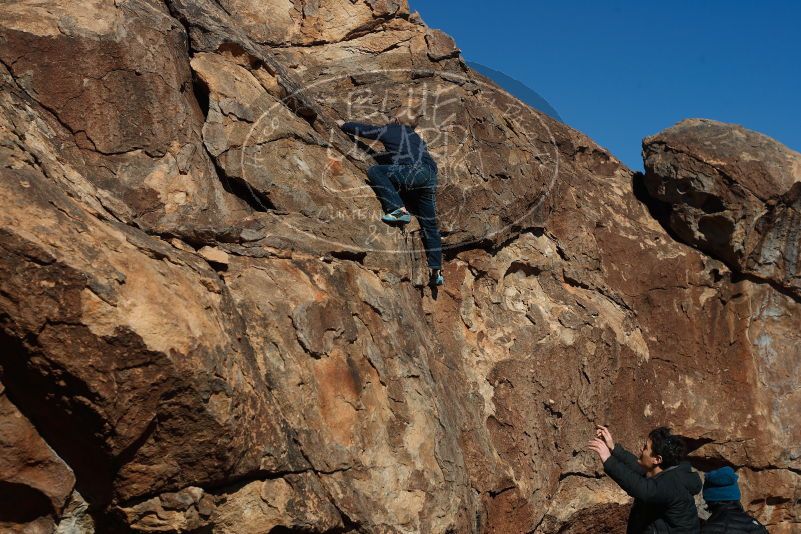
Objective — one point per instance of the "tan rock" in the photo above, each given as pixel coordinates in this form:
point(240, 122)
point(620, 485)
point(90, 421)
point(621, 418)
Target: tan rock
point(440, 45)
point(296, 502)
point(183, 511)
point(214, 255)
point(316, 383)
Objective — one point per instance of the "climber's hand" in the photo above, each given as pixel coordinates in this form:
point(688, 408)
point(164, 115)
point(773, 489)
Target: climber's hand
point(603, 433)
point(600, 447)
point(340, 122)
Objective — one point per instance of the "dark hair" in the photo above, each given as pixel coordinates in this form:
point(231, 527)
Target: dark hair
point(671, 448)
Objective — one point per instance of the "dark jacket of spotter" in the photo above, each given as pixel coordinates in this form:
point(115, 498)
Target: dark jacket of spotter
point(729, 518)
point(664, 503)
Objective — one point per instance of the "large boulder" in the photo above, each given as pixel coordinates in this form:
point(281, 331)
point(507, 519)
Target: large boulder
point(734, 193)
point(202, 319)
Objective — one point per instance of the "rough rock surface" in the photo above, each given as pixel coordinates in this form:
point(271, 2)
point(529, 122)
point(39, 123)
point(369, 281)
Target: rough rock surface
point(734, 193)
point(201, 320)
point(34, 481)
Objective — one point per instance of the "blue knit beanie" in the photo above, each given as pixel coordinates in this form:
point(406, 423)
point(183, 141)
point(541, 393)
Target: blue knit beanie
point(721, 485)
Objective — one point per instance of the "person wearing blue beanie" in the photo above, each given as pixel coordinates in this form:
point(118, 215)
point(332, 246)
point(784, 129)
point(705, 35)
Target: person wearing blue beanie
point(722, 495)
point(721, 485)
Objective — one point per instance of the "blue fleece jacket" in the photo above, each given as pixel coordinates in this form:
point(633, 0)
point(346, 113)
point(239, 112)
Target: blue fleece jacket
point(402, 144)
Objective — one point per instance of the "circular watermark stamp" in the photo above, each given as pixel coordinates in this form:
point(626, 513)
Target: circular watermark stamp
point(484, 142)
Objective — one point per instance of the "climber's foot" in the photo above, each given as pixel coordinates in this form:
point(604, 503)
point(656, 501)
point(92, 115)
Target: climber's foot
point(436, 277)
point(399, 216)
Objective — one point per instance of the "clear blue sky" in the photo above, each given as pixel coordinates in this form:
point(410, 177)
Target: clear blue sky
point(621, 70)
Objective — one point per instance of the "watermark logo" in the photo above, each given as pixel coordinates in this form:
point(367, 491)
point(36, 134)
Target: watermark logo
point(480, 137)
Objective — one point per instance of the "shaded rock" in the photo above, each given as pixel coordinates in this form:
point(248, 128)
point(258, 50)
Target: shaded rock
point(34, 481)
point(733, 193)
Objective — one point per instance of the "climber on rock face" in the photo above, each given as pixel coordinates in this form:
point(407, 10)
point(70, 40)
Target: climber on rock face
point(663, 486)
point(405, 167)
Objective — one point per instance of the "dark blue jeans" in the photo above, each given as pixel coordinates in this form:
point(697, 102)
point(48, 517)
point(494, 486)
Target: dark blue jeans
point(418, 185)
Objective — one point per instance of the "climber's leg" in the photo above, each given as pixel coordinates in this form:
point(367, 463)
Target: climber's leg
point(385, 182)
point(427, 217)
point(424, 207)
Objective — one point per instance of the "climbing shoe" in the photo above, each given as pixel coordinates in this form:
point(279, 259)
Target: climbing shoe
point(436, 277)
point(397, 217)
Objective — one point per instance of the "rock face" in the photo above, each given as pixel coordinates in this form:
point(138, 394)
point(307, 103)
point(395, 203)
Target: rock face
point(34, 481)
point(734, 193)
point(204, 326)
